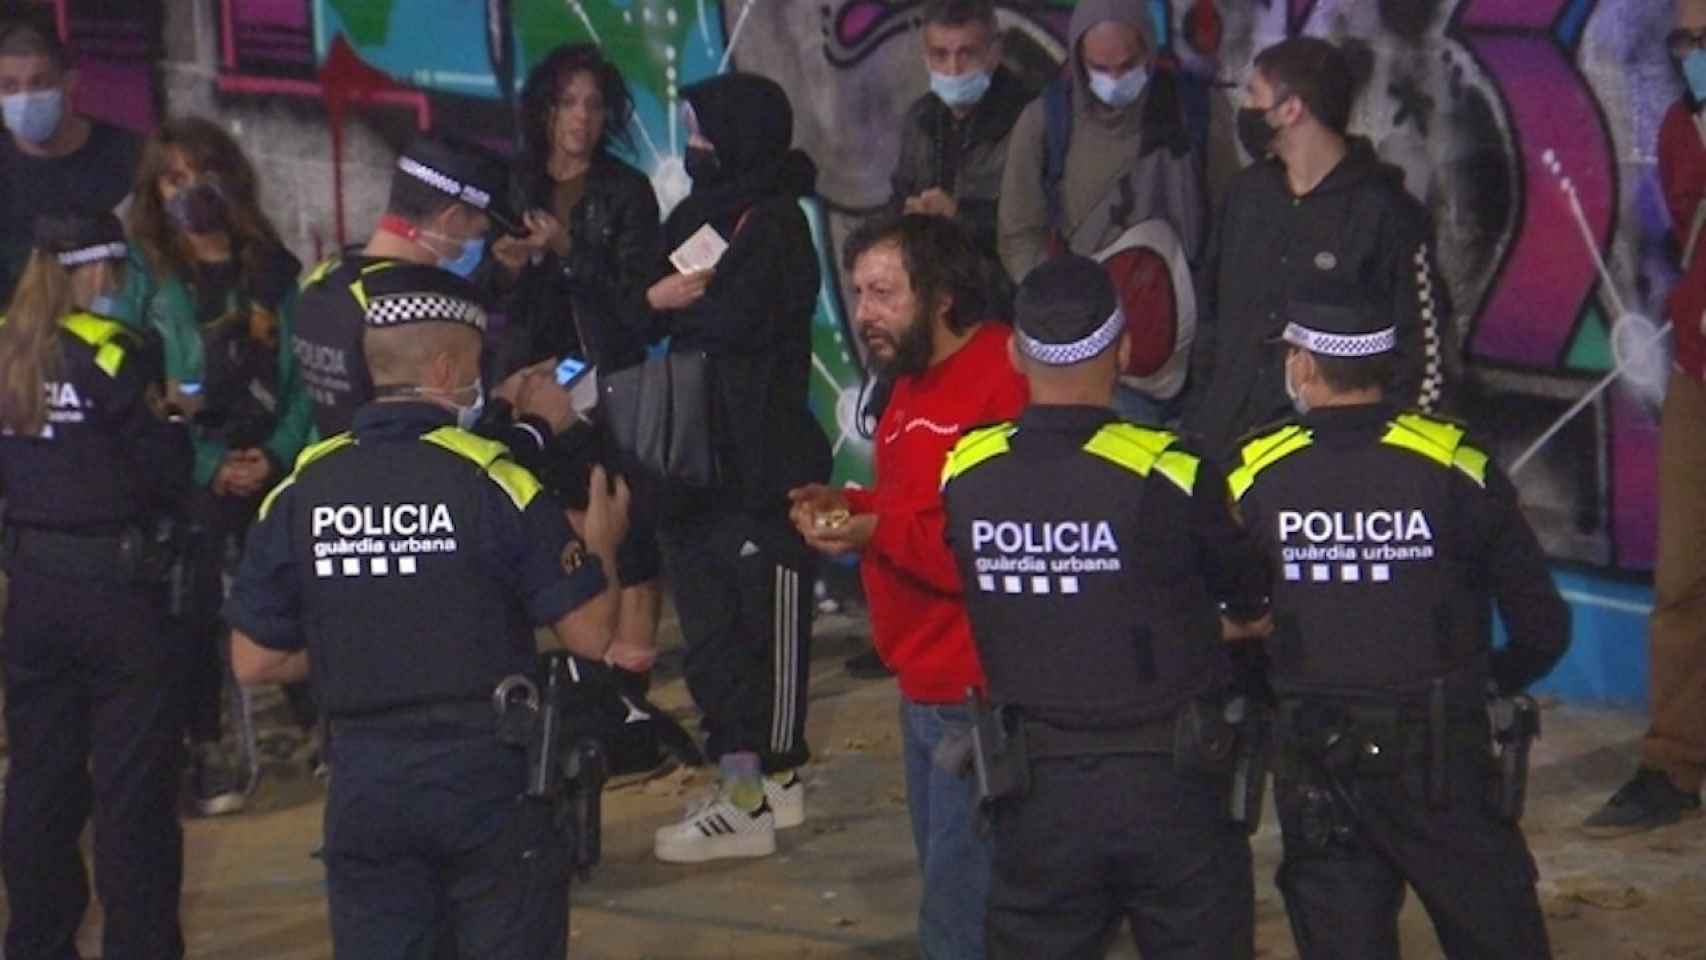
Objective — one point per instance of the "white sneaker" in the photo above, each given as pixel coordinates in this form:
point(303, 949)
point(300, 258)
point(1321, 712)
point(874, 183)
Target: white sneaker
point(716, 830)
point(787, 800)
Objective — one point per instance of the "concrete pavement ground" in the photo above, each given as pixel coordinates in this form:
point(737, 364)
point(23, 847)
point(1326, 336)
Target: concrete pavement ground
point(845, 884)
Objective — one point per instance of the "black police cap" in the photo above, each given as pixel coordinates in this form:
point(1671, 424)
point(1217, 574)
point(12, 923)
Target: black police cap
point(416, 293)
point(465, 171)
point(1066, 311)
point(77, 237)
point(1335, 321)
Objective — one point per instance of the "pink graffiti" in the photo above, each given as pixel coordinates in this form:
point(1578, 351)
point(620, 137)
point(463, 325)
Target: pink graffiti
point(1545, 280)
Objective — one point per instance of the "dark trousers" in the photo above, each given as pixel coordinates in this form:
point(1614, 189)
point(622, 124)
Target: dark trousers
point(1352, 843)
point(91, 729)
point(428, 842)
point(743, 591)
point(1098, 840)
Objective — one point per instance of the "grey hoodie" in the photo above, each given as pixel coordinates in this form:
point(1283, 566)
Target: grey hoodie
point(1120, 167)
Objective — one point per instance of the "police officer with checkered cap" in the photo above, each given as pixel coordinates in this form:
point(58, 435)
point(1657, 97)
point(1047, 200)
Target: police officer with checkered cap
point(446, 197)
point(1097, 556)
point(406, 564)
point(1395, 538)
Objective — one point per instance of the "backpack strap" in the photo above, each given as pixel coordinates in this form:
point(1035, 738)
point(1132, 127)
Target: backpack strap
point(1057, 137)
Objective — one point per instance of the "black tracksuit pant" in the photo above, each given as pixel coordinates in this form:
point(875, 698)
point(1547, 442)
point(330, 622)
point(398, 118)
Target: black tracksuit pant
point(743, 591)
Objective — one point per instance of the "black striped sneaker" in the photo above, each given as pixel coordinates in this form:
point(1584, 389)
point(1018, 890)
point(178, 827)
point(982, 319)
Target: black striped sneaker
point(716, 829)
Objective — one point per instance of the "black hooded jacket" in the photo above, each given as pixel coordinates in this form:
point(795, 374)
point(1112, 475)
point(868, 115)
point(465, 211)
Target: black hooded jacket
point(755, 319)
point(1359, 227)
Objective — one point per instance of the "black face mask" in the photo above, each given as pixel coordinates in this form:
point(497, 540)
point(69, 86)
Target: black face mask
point(1254, 132)
point(198, 209)
point(702, 164)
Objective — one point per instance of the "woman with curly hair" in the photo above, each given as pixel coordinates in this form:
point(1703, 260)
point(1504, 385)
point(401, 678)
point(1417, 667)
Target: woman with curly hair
point(576, 288)
point(209, 274)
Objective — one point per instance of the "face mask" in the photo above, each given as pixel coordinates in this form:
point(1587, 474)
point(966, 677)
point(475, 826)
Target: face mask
point(1693, 73)
point(464, 263)
point(197, 209)
point(104, 305)
point(959, 91)
point(1255, 133)
point(1298, 401)
point(34, 116)
point(702, 164)
point(467, 417)
point(1119, 91)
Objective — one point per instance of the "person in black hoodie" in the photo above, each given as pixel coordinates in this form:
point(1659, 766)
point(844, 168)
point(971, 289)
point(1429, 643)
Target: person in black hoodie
point(742, 576)
point(1315, 209)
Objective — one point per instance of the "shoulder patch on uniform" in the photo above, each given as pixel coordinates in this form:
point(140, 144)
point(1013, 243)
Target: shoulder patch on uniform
point(1144, 450)
point(321, 269)
point(978, 445)
point(106, 337)
point(492, 457)
point(1438, 440)
point(309, 454)
point(1264, 451)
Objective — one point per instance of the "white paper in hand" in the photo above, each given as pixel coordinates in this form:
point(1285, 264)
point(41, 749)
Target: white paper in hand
point(700, 251)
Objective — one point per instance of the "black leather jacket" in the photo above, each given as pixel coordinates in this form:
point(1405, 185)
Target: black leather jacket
point(590, 304)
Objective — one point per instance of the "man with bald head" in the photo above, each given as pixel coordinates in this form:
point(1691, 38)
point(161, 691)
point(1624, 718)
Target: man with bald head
point(407, 563)
point(1666, 787)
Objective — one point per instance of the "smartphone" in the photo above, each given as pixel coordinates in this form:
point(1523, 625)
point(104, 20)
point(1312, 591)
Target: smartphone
point(571, 370)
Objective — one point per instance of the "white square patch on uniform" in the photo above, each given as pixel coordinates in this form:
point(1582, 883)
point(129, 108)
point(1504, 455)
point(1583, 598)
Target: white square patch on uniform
point(1380, 573)
point(322, 568)
point(1068, 584)
point(380, 566)
point(1320, 572)
point(406, 566)
point(1012, 585)
point(1294, 571)
point(1039, 584)
point(1350, 573)
point(352, 566)
point(986, 583)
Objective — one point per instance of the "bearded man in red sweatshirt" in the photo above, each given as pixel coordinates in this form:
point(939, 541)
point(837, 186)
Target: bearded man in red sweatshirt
point(923, 299)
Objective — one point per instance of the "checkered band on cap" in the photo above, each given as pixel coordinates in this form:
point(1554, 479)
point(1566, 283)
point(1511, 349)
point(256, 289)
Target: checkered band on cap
point(396, 309)
point(1341, 344)
point(445, 183)
point(1078, 351)
point(113, 250)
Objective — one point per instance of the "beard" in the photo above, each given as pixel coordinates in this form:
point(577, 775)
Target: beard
point(909, 353)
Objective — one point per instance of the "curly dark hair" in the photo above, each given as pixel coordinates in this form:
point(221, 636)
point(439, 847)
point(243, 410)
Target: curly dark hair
point(545, 84)
point(208, 149)
point(941, 260)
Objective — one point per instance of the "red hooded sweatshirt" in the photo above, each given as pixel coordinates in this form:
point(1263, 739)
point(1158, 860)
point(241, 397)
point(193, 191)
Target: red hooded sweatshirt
point(918, 617)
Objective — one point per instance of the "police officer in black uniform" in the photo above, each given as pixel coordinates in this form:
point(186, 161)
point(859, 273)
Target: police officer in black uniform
point(1395, 539)
point(407, 562)
point(90, 459)
point(446, 196)
point(1096, 556)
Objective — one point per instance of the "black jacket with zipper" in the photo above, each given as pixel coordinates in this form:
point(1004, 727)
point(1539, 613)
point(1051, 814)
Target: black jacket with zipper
point(1359, 228)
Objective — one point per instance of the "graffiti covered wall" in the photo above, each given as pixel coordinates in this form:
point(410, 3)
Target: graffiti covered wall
point(1527, 126)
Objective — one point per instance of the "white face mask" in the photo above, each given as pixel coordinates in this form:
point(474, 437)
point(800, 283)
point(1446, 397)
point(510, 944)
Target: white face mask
point(467, 417)
point(1294, 394)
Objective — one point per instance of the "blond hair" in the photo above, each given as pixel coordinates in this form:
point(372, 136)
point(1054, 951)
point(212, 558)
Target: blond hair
point(29, 342)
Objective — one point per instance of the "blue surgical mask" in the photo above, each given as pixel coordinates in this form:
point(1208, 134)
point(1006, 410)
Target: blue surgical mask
point(467, 417)
point(960, 90)
point(34, 116)
point(1693, 70)
point(464, 264)
point(104, 305)
point(1120, 91)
